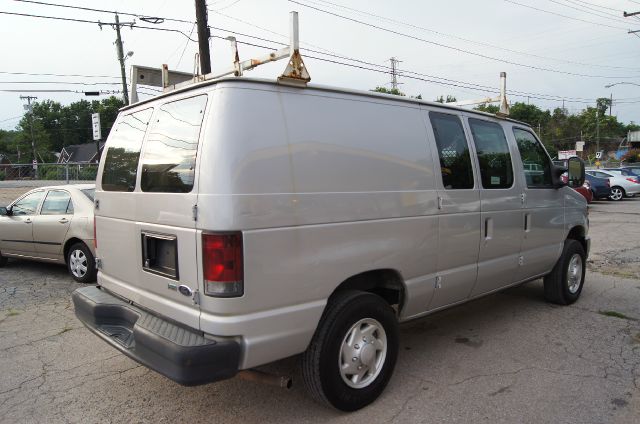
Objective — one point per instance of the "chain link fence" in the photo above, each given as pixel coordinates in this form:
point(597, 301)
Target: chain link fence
point(49, 172)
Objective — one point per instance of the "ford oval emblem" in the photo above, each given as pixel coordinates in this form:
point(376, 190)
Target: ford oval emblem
point(186, 291)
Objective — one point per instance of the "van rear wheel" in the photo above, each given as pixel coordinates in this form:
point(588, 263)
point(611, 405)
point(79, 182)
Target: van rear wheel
point(564, 284)
point(353, 352)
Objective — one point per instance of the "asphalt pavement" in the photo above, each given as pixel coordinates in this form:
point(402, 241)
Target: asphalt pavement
point(506, 358)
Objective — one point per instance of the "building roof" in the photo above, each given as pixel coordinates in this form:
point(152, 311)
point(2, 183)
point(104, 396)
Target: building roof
point(79, 153)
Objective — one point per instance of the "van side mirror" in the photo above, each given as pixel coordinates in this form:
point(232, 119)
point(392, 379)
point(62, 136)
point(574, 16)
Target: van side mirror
point(576, 172)
point(556, 176)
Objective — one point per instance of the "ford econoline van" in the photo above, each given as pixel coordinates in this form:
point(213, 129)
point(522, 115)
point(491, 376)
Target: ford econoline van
point(242, 221)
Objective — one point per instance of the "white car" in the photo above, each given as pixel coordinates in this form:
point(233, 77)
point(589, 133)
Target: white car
point(621, 185)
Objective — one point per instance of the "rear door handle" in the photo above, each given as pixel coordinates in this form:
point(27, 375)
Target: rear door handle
point(527, 222)
point(27, 221)
point(63, 221)
point(488, 228)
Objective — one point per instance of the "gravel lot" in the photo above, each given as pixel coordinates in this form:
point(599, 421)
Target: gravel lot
point(505, 358)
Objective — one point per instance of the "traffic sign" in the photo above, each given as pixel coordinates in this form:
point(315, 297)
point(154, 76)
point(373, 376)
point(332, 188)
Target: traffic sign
point(95, 120)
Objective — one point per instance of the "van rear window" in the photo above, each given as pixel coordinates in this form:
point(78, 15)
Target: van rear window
point(125, 141)
point(169, 158)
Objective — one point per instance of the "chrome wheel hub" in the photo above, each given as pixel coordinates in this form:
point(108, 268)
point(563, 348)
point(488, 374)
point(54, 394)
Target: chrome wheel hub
point(574, 273)
point(78, 263)
point(616, 194)
point(362, 353)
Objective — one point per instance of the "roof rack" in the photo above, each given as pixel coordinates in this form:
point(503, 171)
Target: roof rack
point(502, 98)
point(294, 74)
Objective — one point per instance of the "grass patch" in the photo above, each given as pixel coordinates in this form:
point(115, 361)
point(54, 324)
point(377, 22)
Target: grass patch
point(616, 314)
point(12, 313)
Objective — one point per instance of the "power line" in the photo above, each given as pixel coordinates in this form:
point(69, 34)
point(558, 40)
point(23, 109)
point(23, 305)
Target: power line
point(464, 85)
point(60, 82)
point(57, 75)
point(11, 119)
point(598, 5)
point(385, 69)
point(84, 21)
point(582, 9)
point(145, 18)
point(460, 50)
point(467, 40)
point(564, 16)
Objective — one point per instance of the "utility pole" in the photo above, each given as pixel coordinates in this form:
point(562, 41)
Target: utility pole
point(610, 103)
point(597, 130)
point(33, 140)
point(123, 74)
point(203, 37)
point(394, 72)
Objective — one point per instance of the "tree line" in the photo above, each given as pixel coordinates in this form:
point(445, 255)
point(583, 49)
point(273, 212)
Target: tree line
point(56, 126)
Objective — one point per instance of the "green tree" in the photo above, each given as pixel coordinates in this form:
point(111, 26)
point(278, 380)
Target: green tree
point(488, 108)
point(385, 90)
point(448, 99)
point(56, 126)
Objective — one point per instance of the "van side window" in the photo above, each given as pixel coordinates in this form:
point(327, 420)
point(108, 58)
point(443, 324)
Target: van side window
point(169, 160)
point(455, 160)
point(494, 158)
point(125, 142)
point(535, 161)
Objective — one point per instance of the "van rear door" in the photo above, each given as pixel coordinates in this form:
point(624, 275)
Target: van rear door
point(147, 194)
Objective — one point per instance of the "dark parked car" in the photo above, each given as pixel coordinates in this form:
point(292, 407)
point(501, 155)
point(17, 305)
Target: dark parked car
point(599, 186)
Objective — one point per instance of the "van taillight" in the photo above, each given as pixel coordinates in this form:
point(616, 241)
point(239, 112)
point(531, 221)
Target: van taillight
point(222, 264)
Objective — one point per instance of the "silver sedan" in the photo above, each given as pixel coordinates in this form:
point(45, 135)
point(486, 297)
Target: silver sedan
point(52, 224)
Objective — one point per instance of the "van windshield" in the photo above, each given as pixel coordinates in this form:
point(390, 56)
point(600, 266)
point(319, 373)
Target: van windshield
point(169, 159)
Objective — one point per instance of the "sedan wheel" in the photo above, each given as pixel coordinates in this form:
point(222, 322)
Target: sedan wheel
point(81, 263)
point(617, 193)
point(78, 263)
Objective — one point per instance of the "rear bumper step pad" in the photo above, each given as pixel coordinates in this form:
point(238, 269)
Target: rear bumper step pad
point(182, 354)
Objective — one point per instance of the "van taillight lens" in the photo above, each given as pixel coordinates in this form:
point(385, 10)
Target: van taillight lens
point(222, 264)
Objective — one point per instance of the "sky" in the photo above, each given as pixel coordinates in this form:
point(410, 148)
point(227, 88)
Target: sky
point(551, 50)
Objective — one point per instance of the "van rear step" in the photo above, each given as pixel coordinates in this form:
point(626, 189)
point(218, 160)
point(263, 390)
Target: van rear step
point(182, 354)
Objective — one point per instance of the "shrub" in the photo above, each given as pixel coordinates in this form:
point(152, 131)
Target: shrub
point(632, 156)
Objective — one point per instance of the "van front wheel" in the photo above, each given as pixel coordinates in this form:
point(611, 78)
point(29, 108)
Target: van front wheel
point(564, 284)
point(353, 352)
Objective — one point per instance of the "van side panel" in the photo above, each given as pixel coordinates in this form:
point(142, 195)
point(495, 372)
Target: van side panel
point(324, 187)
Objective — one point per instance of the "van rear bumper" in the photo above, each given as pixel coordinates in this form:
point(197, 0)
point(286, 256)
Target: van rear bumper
point(182, 354)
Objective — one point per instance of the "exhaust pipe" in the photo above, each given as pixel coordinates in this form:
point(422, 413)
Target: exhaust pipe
point(282, 381)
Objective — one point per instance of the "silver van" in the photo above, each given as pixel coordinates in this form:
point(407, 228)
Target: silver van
point(241, 221)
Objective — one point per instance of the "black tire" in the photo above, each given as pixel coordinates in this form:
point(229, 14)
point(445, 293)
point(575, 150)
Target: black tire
point(320, 363)
point(74, 258)
point(617, 193)
point(558, 288)
point(3, 260)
